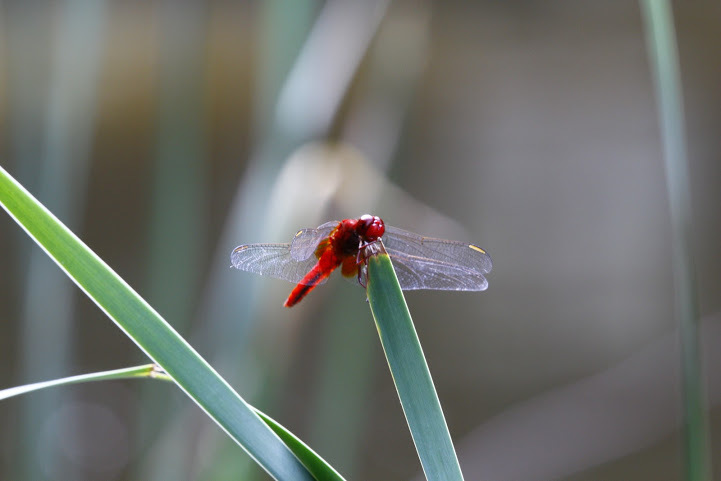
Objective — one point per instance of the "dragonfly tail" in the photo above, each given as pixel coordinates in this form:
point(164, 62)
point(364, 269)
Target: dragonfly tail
point(309, 282)
point(297, 294)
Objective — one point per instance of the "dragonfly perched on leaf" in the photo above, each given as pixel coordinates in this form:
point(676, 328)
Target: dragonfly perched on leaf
point(313, 254)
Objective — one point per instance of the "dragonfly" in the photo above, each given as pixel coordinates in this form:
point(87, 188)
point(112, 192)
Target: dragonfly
point(313, 254)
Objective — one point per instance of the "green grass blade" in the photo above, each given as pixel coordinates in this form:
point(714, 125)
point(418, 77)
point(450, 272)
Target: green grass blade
point(146, 370)
point(410, 372)
point(321, 470)
point(150, 332)
point(661, 42)
point(318, 467)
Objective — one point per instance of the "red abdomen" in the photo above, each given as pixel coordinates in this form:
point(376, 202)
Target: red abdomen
point(327, 263)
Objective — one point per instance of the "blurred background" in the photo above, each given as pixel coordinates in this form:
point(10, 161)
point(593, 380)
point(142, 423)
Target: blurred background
point(166, 133)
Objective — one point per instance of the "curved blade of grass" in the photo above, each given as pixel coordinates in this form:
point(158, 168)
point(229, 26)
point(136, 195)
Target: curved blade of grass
point(150, 332)
point(146, 370)
point(410, 371)
point(318, 467)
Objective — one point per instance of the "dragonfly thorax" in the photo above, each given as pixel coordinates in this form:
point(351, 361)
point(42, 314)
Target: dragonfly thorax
point(351, 234)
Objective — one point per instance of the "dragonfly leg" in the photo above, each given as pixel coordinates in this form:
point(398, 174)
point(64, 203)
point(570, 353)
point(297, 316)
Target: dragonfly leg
point(360, 258)
point(362, 263)
point(363, 276)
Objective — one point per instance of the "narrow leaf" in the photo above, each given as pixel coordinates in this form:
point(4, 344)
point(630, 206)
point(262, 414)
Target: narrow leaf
point(146, 370)
point(410, 372)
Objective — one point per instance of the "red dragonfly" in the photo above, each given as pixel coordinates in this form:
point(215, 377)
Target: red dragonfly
point(420, 262)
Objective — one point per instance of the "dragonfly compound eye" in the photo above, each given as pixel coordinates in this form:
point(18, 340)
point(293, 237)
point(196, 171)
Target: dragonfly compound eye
point(374, 227)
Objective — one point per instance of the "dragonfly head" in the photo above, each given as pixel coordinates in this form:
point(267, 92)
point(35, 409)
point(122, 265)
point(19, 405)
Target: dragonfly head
point(371, 227)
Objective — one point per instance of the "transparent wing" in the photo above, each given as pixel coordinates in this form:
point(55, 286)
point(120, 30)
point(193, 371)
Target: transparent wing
point(305, 241)
point(428, 263)
point(274, 260)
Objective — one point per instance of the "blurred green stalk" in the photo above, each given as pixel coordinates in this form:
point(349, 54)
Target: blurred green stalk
point(662, 46)
point(373, 124)
point(177, 224)
point(60, 176)
point(299, 93)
